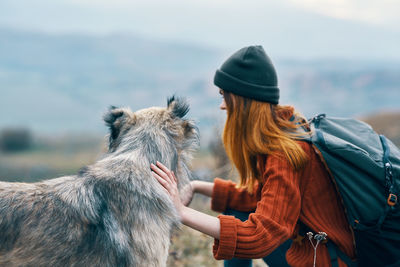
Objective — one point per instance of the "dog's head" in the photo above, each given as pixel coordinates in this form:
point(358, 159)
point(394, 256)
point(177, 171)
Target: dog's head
point(155, 133)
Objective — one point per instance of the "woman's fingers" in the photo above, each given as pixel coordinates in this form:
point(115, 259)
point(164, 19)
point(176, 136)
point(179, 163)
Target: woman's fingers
point(173, 175)
point(161, 180)
point(161, 166)
point(161, 173)
point(164, 171)
point(168, 180)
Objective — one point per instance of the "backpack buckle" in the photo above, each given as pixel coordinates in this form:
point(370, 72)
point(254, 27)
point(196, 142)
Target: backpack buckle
point(318, 117)
point(392, 199)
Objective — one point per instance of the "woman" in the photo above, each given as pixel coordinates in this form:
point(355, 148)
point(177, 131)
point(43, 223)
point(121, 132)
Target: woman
point(282, 180)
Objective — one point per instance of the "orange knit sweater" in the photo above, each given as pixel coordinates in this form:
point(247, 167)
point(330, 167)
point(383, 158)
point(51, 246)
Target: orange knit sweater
point(278, 202)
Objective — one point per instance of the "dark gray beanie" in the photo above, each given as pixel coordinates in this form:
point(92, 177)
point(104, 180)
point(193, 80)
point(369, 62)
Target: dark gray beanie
point(249, 73)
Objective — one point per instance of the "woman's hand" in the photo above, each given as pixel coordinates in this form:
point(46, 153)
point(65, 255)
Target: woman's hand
point(202, 222)
point(196, 186)
point(168, 180)
point(187, 193)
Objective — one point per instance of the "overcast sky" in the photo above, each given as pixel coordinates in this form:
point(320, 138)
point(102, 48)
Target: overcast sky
point(303, 28)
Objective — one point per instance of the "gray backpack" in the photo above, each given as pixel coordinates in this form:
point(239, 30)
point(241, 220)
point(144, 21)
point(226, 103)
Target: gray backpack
point(365, 167)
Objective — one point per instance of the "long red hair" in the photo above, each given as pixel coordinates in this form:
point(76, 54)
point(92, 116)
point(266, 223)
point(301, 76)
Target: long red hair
point(259, 128)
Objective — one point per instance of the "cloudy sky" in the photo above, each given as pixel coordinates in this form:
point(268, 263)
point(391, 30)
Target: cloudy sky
point(301, 28)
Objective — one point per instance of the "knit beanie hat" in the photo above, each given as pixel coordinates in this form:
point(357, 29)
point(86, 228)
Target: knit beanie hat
point(249, 73)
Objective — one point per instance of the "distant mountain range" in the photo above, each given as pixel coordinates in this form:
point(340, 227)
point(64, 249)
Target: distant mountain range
point(63, 83)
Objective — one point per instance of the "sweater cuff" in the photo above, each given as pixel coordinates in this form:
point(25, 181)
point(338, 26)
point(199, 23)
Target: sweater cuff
point(220, 194)
point(225, 247)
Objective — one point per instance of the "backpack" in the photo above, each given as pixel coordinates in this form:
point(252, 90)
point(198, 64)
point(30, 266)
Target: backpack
point(365, 168)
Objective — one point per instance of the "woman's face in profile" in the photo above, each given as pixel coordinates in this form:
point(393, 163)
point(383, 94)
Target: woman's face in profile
point(222, 106)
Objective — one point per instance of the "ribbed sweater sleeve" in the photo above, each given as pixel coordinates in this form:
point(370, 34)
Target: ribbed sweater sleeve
point(226, 195)
point(273, 221)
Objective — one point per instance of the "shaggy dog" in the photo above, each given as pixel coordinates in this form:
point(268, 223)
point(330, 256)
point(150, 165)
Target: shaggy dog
point(114, 212)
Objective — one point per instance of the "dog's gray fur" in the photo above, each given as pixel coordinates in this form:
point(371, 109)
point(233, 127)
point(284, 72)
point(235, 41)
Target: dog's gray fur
point(114, 212)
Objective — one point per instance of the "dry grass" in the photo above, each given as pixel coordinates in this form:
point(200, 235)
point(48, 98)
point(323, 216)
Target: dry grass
point(191, 248)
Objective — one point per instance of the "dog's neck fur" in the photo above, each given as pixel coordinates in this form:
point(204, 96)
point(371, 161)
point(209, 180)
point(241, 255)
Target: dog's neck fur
point(150, 147)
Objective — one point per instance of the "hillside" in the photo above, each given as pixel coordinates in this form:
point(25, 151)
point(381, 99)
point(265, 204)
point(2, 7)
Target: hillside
point(63, 83)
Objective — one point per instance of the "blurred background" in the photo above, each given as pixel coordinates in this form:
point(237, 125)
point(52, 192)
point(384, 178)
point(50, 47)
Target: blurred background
point(62, 63)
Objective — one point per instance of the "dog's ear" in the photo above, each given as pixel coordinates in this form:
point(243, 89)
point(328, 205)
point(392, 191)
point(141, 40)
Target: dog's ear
point(116, 119)
point(178, 106)
point(189, 128)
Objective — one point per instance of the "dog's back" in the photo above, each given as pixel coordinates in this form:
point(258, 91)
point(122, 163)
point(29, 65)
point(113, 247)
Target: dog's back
point(53, 223)
point(82, 221)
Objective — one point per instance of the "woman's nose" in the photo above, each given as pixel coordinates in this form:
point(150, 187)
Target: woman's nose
point(223, 105)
